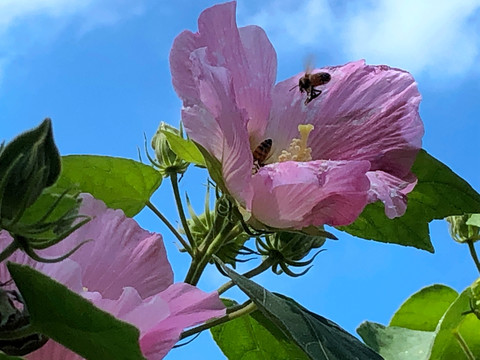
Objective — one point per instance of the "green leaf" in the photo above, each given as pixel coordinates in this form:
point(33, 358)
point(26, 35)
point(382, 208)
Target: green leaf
point(424, 309)
point(214, 168)
point(252, 337)
point(474, 220)
point(74, 322)
point(396, 343)
point(319, 337)
point(121, 183)
point(446, 345)
point(439, 193)
point(184, 148)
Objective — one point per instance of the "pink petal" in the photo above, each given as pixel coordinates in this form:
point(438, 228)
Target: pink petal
point(188, 306)
point(220, 127)
point(245, 53)
point(364, 113)
point(67, 272)
point(297, 195)
point(122, 254)
point(391, 191)
point(225, 76)
point(53, 351)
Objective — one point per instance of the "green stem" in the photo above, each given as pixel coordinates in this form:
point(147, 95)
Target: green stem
point(473, 253)
point(205, 254)
point(245, 310)
point(181, 213)
point(264, 265)
point(9, 250)
point(461, 341)
point(170, 227)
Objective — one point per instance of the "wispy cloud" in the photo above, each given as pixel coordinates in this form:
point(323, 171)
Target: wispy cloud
point(25, 24)
point(421, 36)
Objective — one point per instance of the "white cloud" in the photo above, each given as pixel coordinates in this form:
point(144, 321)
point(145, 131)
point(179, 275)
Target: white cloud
point(25, 24)
point(428, 36)
point(434, 36)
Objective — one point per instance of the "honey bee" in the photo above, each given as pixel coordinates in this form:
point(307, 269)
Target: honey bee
point(260, 154)
point(308, 82)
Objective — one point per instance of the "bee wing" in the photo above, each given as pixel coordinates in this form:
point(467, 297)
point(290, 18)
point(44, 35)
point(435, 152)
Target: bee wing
point(309, 63)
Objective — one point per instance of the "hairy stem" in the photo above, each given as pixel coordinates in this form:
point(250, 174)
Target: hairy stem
point(205, 254)
point(473, 254)
point(9, 250)
point(181, 212)
point(170, 227)
point(264, 265)
point(247, 308)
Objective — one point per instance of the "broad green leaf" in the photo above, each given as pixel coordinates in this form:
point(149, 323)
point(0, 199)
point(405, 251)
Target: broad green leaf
point(474, 220)
point(446, 345)
point(424, 309)
point(71, 320)
point(184, 148)
point(121, 183)
point(317, 336)
point(253, 337)
point(44, 202)
point(396, 343)
point(439, 193)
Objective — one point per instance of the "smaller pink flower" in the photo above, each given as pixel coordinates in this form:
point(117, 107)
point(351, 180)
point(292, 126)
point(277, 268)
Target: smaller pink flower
point(125, 272)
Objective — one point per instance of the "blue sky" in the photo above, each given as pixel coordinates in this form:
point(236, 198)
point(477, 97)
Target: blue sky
point(99, 69)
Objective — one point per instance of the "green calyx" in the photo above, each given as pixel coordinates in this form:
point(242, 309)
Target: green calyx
point(461, 231)
point(167, 161)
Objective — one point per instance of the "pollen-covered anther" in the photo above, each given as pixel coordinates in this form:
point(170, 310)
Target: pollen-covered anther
point(298, 149)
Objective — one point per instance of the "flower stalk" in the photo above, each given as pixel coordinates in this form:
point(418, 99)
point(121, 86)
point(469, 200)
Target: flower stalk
point(245, 309)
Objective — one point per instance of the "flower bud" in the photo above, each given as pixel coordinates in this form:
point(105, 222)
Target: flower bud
point(28, 164)
point(167, 161)
point(460, 231)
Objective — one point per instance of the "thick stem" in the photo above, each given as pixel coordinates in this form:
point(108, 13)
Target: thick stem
point(181, 213)
point(244, 310)
point(473, 253)
point(170, 227)
point(205, 254)
point(9, 250)
point(264, 265)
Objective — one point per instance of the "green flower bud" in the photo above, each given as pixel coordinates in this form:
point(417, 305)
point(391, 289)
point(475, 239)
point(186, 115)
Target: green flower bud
point(460, 231)
point(28, 164)
point(167, 161)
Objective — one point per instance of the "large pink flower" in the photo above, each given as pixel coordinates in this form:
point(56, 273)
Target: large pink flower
point(366, 127)
point(124, 271)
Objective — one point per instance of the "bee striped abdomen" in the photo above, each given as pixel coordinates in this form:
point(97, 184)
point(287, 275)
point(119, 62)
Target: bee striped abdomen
point(260, 154)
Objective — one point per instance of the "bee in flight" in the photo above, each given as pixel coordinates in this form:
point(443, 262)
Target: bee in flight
point(308, 83)
point(260, 154)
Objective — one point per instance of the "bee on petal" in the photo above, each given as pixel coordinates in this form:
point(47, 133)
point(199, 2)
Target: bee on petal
point(260, 154)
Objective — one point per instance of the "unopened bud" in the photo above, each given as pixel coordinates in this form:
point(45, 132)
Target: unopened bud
point(167, 161)
point(28, 164)
point(460, 231)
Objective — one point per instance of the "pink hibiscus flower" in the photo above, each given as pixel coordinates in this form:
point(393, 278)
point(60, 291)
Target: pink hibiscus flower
point(358, 141)
point(124, 271)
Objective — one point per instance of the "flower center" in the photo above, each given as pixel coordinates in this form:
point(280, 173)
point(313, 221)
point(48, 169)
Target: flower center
point(298, 149)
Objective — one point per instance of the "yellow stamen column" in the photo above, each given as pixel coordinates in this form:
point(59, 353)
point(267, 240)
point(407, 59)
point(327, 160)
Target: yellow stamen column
point(298, 149)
